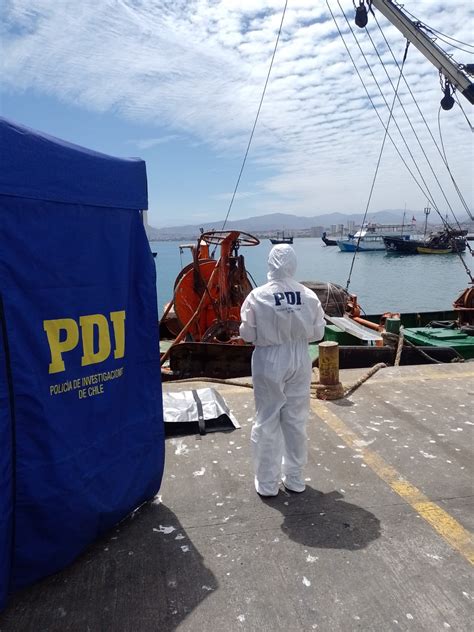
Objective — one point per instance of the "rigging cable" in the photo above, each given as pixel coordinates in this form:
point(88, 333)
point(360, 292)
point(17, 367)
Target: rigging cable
point(448, 168)
point(426, 192)
point(377, 112)
point(443, 157)
point(447, 164)
point(469, 213)
point(443, 220)
point(420, 23)
point(435, 37)
point(413, 129)
point(462, 110)
point(378, 164)
point(256, 117)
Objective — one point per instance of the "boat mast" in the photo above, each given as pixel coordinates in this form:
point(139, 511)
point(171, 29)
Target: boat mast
point(426, 211)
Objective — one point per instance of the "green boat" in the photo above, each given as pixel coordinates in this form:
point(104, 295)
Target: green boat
point(441, 335)
point(441, 341)
point(456, 339)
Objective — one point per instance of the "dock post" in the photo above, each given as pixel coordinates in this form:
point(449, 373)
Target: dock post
point(392, 325)
point(329, 386)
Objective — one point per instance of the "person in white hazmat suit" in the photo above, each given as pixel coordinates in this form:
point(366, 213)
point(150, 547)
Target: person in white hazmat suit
point(280, 318)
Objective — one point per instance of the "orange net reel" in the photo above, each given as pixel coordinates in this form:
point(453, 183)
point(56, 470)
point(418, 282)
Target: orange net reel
point(209, 293)
point(464, 305)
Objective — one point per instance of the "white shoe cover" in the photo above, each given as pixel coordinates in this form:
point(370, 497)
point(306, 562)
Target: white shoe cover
point(294, 484)
point(266, 489)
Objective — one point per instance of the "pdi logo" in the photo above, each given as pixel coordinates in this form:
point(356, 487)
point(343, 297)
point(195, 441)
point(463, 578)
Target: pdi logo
point(64, 335)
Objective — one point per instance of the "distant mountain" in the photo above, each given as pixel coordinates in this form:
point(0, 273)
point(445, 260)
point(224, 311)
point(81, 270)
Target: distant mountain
point(153, 233)
point(286, 221)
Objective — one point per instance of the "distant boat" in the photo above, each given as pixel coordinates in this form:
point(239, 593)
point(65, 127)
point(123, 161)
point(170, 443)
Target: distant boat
point(328, 242)
point(371, 237)
point(444, 242)
point(283, 239)
point(402, 245)
point(440, 243)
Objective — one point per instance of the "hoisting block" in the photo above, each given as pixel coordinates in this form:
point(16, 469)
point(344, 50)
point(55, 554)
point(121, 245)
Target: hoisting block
point(329, 386)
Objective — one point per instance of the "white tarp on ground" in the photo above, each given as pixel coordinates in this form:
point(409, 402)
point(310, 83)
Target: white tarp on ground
point(202, 404)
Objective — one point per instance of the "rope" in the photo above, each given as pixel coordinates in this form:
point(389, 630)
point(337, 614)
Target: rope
point(215, 380)
point(167, 311)
point(468, 122)
point(394, 338)
point(186, 328)
point(256, 117)
point(336, 296)
point(409, 120)
point(430, 28)
point(378, 163)
point(426, 194)
point(443, 155)
point(401, 338)
point(364, 378)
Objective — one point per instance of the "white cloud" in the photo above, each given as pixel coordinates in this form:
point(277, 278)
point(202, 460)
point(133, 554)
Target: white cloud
point(198, 67)
point(240, 195)
point(148, 143)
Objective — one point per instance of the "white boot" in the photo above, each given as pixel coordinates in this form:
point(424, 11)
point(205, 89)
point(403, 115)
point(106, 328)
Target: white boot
point(266, 489)
point(294, 483)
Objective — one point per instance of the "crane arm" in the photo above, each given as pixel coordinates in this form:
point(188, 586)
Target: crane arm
point(453, 72)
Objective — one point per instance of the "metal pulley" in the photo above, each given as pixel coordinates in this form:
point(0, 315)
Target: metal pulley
point(361, 17)
point(447, 102)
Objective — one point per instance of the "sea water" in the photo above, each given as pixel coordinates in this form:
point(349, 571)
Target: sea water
point(381, 281)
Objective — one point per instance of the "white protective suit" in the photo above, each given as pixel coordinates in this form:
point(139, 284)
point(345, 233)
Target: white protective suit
point(280, 318)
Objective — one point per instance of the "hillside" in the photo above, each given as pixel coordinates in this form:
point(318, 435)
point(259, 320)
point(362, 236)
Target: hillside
point(278, 221)
point(285, 221)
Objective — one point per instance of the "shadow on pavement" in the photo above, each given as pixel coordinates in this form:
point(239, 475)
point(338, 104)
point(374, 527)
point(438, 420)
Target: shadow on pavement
point(325, 521)
point(145, 576)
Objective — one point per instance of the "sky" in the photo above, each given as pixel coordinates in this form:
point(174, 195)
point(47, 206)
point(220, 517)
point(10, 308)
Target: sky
point(178, 83)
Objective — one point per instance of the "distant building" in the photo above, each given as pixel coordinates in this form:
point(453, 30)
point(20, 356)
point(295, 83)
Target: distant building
point(316, 231)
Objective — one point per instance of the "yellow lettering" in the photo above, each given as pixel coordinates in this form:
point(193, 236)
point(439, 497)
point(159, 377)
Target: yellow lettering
point(118, 321)
point(88, 324)
point(57, 346)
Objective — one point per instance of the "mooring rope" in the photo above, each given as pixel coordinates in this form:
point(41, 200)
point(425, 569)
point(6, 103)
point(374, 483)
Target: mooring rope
point(350, 389)
point(395, 338)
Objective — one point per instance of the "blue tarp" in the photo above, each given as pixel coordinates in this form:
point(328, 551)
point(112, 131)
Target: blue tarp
point(80, 392)
point(38, 166)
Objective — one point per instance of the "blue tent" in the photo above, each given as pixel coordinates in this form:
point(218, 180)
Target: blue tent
point(80, 394)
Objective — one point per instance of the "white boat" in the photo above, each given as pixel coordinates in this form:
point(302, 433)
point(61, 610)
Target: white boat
point(370, 237)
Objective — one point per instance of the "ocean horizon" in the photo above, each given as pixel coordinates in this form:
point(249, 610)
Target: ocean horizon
point(381, 281)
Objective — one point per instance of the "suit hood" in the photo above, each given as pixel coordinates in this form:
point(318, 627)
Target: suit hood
point(281, 262)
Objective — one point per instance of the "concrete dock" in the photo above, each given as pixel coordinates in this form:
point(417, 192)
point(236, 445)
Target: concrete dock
point(379, 541)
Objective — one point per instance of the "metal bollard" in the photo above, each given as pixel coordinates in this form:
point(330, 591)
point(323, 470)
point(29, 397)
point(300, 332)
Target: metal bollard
point(392, 325)
point(329, 386)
